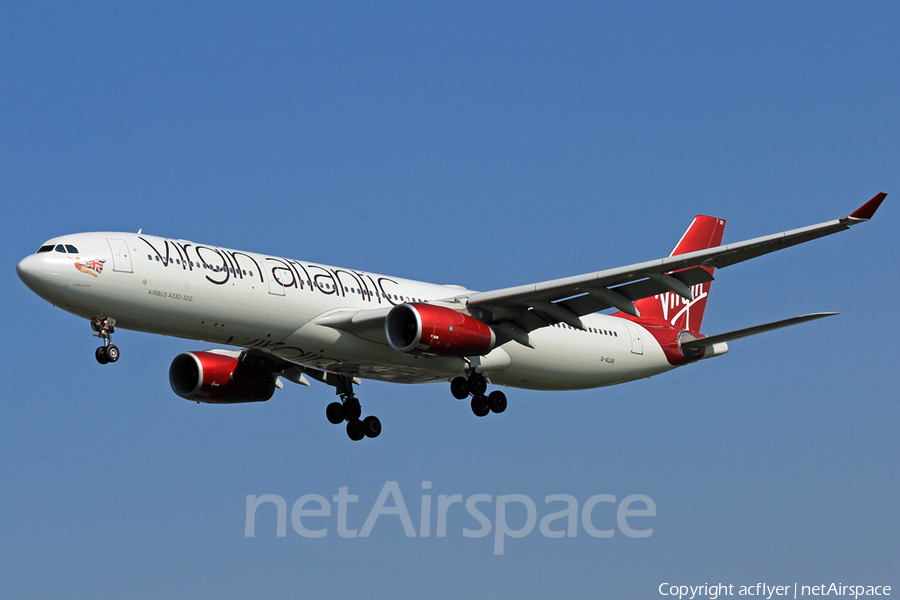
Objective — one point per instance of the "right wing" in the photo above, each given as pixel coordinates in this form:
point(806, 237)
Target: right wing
point(515, 311)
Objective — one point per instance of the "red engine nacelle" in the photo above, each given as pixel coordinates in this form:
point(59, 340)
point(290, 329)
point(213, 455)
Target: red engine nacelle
point(436, 330)
point(219, 379)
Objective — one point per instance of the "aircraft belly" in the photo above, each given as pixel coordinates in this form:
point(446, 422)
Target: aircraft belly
point(333, 350)
point(571, 360)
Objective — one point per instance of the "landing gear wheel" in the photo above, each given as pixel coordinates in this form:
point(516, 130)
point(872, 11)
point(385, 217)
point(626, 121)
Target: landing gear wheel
point(348, 409)
point(335, 413)
point(351, 409)
point(477, 384)
point(112, 353)
point(371, 426)
point(355, 430)
point(459, 388)
point(497, 401)
point(101, 356)
point(108, 352)
point(480, 406)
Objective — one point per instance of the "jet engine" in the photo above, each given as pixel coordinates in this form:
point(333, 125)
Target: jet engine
point(425, 329)
point(219, 379)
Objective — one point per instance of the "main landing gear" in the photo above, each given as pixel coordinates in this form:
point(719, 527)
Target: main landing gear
point(108, 352)
point(349, 410)
point(476, 386)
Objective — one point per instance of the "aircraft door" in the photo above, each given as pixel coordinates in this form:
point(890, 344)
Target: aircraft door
point(637, 344)
point(120, 254)
point(276, 287)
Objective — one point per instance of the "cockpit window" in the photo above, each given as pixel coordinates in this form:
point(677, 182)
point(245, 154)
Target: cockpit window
point(61, 248)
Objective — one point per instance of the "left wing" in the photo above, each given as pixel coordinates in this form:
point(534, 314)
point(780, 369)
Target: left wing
point(281, 367)
point(267, 361)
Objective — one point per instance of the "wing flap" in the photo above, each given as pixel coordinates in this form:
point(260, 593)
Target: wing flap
point(645, 288)
point(587, 303)
point(278, 366)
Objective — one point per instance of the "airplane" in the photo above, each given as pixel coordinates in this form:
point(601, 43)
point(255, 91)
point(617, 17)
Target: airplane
point(289, 319)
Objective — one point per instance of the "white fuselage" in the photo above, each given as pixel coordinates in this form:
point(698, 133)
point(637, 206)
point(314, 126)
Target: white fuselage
point(179, 288)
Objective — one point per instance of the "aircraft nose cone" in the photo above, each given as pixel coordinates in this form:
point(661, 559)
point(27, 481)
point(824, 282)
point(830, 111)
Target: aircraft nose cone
point(30, 269)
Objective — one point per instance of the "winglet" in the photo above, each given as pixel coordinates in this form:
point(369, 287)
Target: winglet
point(868, 209)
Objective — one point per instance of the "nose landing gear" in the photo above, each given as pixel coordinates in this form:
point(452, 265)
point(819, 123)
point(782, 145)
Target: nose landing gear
point(108, 352)
point(476, 386)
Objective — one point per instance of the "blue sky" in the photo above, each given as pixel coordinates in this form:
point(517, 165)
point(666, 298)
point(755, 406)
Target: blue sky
point(485, 144)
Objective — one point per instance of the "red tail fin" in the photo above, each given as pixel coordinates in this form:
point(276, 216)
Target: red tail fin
point(670, 308)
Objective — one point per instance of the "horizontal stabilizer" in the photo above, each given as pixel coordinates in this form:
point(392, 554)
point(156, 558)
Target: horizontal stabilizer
point(748, 331)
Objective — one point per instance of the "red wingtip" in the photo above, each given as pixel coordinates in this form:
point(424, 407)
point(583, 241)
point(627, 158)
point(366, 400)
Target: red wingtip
point(868, 209)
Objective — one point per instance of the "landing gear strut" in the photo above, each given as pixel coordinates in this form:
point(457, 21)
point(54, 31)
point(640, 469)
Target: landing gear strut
point(108, 352)
point(475, 384)
point(349, 410)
